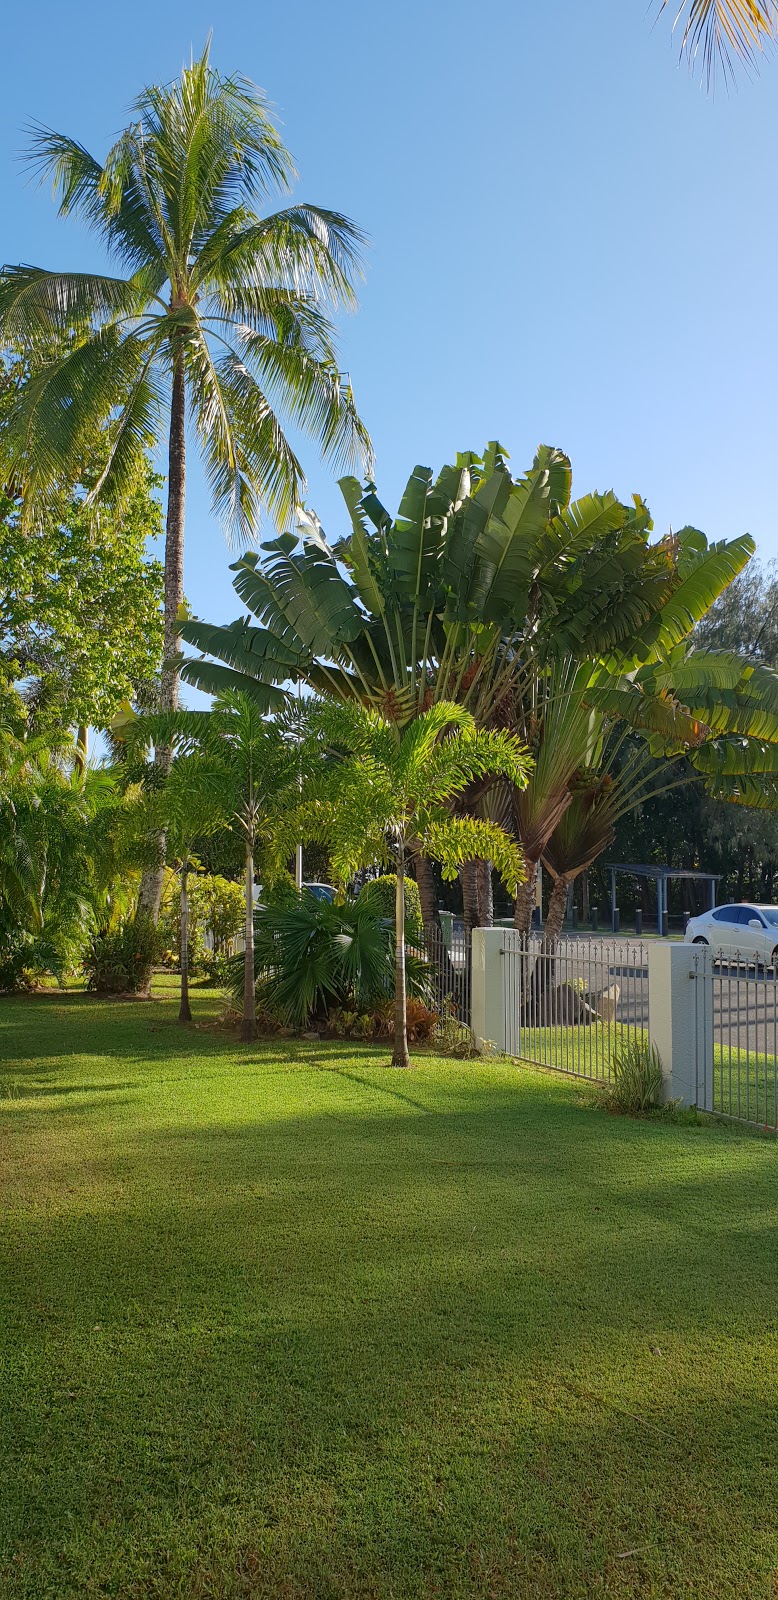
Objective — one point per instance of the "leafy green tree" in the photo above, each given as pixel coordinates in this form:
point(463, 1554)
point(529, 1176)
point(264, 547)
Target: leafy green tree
point(379, 794)
point(80, 604)
point(379, 895)
point(444, 601)
point(193, 803)
point(221, 314)
point(436, 603)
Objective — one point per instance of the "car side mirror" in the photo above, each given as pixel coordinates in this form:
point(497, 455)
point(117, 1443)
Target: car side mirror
point(753, 922)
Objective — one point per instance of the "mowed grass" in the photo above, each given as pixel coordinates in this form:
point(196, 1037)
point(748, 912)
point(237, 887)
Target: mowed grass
point(280, 1322)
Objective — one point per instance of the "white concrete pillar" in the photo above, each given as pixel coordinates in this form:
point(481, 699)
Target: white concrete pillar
point(680, 1019)
point(489, 977)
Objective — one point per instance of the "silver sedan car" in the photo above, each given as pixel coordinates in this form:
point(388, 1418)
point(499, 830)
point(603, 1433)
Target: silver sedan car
point(747, 932)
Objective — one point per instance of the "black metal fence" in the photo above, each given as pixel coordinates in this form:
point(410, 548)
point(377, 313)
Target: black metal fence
point(448, 977)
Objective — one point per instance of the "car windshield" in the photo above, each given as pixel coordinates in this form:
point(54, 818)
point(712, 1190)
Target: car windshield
point(770, 914)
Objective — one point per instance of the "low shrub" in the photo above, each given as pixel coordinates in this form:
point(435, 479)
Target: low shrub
point(22, 966)
point(637, 1078)
point(214, 968)
point(119, 960)
point(312, 958)
point(421, 1021)
point(216, 907)
point(27, 959)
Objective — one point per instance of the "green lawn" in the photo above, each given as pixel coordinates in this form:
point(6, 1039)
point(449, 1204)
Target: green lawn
point(281, 1322)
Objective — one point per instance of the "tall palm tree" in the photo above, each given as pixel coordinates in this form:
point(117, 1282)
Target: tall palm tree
point(723, 32)
point(222, 315)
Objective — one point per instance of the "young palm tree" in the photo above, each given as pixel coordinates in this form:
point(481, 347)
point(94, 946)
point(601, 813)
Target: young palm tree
point(221, 315)
point(248, 768)
point(386, 794)
point(192, 805)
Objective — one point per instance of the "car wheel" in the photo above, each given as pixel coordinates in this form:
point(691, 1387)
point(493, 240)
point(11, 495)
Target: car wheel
point(700, 940)
point(773, 962)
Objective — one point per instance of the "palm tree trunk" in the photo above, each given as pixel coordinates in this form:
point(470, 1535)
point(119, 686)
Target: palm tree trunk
point(556, 909)
point(525, 899)
point(425, 879)
point(485, 894)
point(151, 884)
point(400, 1057)
point(184, 1010)
point(248, 1027)
point(468, 873)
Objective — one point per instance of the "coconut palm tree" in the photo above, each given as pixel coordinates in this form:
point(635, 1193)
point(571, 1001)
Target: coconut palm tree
point(382, 794)
point(221, 317)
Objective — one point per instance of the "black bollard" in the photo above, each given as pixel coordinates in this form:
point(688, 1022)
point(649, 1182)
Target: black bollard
point(594, 911)
point(638, 922)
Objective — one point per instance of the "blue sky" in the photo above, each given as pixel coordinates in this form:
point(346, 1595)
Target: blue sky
point(570, 242)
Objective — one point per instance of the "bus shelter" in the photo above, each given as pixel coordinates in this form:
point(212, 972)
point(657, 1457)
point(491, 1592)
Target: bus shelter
point(661, 876)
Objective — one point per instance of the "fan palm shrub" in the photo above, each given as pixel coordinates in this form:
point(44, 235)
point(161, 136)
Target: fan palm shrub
point(312, 957)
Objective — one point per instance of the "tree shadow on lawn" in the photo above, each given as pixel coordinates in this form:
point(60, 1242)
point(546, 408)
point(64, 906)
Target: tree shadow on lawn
point(62, 1026)
point(449, 1397)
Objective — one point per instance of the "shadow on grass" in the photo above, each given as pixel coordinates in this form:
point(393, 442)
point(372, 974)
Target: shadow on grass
point(304, 1360)
point(307, 1338)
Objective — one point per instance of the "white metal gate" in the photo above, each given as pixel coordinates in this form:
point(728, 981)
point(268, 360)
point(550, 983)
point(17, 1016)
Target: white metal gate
point(736, 1037)
point(572, 1006)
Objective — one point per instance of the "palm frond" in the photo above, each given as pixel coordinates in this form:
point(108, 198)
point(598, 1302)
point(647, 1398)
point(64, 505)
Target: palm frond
point(36, 305)
point(724, 32)
point(305, 248)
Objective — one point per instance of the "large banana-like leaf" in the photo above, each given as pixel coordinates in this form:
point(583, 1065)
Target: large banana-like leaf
point(705, 570)
point(560, 477)
point(416, 539)
point(213, 678)
point(737, 757)
point(728, 692)
point(460, 555)
point(364, 556)
point(256, 651)
point(506, 552)
point(307, 591)
point(759, 793)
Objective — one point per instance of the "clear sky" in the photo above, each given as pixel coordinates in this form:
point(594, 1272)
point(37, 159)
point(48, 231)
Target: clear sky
point(570, 242)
